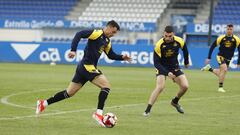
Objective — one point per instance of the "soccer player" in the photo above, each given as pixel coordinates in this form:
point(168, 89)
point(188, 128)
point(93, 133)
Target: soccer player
point(166, 63)
point(227, 44)
point(98, 42)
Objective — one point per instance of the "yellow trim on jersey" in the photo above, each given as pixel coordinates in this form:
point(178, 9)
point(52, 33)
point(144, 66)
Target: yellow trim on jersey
point(95, 34)
point(219, 39)
point(90, 68)
point(237, 40)
point(157, 48)
point(179, 40)
point(108, 47)
point(219, 59)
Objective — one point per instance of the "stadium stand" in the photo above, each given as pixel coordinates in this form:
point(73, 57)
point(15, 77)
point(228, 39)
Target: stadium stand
point(152, 11)
point(125, 10)
point(224, 12)
point(34, 9)
point(185, 4)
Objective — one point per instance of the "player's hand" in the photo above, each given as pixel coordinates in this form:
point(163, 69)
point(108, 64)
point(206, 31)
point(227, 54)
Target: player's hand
point(186, 66)
point(126, 58)
point(238, 66)
point(171, 75)
point(207, 61)
point(71, 54)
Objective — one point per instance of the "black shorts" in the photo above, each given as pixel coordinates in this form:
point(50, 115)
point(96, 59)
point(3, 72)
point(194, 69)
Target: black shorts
point(221, 60)
point(177, 72)
point(85, 73)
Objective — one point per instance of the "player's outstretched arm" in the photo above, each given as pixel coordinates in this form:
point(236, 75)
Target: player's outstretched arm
point(186, 56)
point(112, 55)
point(207, 61)
point(126, 58)
point(72, 54)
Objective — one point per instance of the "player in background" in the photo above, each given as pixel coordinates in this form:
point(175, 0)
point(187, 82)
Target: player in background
point(98, 42)
point(166, 63)
point(227, 44)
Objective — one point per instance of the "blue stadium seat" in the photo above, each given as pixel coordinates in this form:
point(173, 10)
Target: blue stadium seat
point(224, 12)
point(35, 9)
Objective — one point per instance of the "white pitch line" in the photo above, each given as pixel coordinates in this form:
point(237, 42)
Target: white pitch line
point(120, 106)
point(4, 100)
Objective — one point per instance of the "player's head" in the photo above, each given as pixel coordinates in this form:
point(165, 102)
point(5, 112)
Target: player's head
point(229, 29)
point(168, 34)
point(111, 28)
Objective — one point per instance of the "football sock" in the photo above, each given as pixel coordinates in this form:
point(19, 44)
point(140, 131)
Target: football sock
point(99, 111)
point(175, 100)
point(220, 85)
point(58, 97)
point(210, 69)
point(148, 109)
point(102, 97)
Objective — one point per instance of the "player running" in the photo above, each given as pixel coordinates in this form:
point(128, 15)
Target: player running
point(227, 44)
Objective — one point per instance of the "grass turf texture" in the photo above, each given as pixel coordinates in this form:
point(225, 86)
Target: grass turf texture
point(206, 110)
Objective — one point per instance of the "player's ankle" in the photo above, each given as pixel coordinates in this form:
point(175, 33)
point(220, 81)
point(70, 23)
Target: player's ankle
point(99, 111)
point(45, 103)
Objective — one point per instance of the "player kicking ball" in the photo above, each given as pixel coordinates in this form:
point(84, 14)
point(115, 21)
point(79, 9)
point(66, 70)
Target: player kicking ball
point(98, 42)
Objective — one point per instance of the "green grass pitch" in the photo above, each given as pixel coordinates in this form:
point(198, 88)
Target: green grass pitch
point(207, 112)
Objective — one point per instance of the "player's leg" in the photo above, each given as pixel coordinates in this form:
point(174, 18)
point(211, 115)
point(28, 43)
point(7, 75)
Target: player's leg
point(183, 85)
point(223, 67)
point(222, 74)
point(70, 91)
point(216, 71)
point(182, 82)
point(210, 69)
point(102, 82)
point(77, 82)
point(160, 84)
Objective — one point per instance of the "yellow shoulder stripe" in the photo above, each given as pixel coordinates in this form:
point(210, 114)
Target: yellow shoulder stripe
point(219, 39)
point(179, 40)
point(157, 48)
point(108, 47)
point(237, 40)
point(95, 34)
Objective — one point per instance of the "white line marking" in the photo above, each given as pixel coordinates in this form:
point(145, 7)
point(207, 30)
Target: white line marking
point(5, 101)
point(120, 106)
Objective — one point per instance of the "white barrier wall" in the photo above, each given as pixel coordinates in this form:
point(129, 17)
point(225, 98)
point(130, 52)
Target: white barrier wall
point(21, 35)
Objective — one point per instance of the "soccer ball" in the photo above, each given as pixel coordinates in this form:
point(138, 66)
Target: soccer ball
point(109, 119)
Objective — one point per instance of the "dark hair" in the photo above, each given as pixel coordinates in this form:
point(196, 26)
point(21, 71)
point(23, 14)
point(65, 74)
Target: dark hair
point(169, 29)
point(230, 25)
point(113, 24)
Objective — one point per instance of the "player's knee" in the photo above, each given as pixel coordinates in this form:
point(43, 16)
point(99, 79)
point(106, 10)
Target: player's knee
point(72, 92)
point(106, 85)
point(160, 88)
point(224, 68)
point(185, 87)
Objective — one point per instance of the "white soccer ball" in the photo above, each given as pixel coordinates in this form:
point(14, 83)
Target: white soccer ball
point(110, 120)
point(53, 63)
